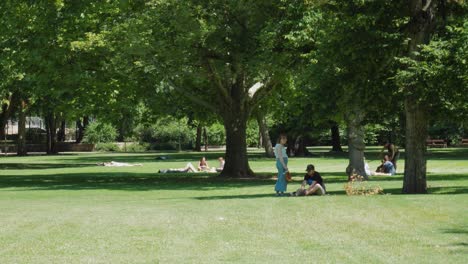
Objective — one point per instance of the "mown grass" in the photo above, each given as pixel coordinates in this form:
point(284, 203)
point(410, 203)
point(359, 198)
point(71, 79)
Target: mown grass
point(65, 209)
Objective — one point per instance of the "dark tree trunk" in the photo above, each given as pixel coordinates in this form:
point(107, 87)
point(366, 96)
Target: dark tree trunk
point(265, 135)
point(356, 145)
point(51, 134)
point(4, 115)
point(205, 139)
point(7, 111)
point(415, 151)
point(335, 137)
point(235, 124)
point(419, 31)
point(198, 138)
point(22, 151)
point(300, 149)
point(81, 128)
point(61, 132)
point(237, 164)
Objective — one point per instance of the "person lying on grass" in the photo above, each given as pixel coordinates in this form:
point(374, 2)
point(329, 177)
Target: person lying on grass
point(188, 168)
point(118, 164)
point(315, 182)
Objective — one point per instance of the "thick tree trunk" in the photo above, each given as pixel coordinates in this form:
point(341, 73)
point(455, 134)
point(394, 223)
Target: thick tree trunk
point(61, 132)
point(81, 128)
point(265, 135)
point(198, 138)
point(4, 115)
point(7, 111)
point(51, 134)
point(356, 145)
point(300, 149)
point(335, 137)
point(420, 28)
point(237, 164)
point(415, 151)
point(22, 151)
point(205, 139)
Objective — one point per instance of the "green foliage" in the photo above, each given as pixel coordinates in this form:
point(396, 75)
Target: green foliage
point(107, 147)
point(99, 132)
point(167, 133)
point(136, 147)
point(216, 134)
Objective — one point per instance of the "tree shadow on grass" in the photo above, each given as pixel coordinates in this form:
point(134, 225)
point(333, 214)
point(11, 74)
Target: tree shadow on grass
point(433, 190)
point(42, 166)
point(126, 181)
point(463, 231)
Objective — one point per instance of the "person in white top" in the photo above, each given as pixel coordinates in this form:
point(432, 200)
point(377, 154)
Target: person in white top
point(281, 164)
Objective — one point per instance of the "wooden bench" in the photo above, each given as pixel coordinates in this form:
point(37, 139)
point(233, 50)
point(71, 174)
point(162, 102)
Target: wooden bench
point(436, 143)
point(464, 142)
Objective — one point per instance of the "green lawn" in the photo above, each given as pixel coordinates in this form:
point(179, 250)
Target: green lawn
point(65, 209)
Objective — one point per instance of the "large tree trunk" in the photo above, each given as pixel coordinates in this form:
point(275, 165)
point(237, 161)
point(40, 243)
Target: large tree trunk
point(7, 111)
point(205, 139)
point(61, 132)
point(22, 151)
point(415, 151)
point(51, 147)
point(420, 28)
point(356, 146)
point(300, 149)
point(335, 137)
point(265, 135)
point(81, 128)
point(237, 164)
point(198, 138)
point(4, 115)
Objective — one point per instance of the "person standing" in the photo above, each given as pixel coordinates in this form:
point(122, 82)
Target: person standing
point(281, 164)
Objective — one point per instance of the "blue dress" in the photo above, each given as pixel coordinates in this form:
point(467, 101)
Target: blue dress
point(281, 184)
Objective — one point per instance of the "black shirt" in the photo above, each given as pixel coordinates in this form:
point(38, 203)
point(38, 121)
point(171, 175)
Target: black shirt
point(315, 177)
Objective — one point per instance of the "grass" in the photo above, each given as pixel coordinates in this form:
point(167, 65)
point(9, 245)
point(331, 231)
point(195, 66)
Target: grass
point(65, 209)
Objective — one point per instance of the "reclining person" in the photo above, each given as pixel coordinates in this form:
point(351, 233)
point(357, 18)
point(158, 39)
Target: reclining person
point(188, 168)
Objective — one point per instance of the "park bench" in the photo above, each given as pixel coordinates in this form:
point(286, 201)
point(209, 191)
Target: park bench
point(436, 143)
point(464, 142)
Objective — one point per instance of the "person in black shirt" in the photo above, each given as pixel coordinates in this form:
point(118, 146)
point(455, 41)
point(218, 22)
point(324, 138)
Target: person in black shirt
point(315, 182)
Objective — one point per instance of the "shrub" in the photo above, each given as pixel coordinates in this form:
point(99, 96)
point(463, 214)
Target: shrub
point(98, 132)
point(107, 147)
point(167, 133)
point(136, 147)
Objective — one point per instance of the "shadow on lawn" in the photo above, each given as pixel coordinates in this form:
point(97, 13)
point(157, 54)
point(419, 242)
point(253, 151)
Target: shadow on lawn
point(42, 166)
point(126, 181)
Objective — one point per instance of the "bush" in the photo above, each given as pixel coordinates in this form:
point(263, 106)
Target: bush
point(216, 134)
point(107, 147)
point(167, 133)
point(98, 132)
point(136, 147)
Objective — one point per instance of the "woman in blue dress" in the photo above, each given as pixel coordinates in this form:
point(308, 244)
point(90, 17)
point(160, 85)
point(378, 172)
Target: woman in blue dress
point(281, 164)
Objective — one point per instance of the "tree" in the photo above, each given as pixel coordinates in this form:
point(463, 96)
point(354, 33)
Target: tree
point(426, 61)
point(213, 53)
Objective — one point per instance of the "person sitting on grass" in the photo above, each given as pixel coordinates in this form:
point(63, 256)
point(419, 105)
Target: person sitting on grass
point(221, 164)
point(203, 165)
point(315, 182)
point(387, 168)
